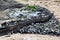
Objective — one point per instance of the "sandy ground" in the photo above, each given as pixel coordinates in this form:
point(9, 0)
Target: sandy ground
point(29, 37)
point(54, 7)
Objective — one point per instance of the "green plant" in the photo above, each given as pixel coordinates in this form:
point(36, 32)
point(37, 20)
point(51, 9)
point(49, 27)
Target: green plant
point(31, 7)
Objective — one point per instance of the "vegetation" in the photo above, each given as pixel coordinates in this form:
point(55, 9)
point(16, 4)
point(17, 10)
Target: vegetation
point(31, 7)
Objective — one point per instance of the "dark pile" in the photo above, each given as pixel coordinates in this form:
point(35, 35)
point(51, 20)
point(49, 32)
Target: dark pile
point(42, 28)
point(44, 23)
point(6, 4)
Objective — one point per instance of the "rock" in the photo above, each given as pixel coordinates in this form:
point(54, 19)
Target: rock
point(41, 21)
point(8, 4)
point(28, 14)
point(57, 32)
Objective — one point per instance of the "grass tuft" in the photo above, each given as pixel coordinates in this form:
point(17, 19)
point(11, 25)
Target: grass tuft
point(31, 7)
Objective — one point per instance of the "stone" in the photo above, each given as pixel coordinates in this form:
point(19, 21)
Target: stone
point(8, 4)
point(41, 21)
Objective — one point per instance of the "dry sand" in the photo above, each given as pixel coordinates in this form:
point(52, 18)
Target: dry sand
point(54, 7)
point(29, 37)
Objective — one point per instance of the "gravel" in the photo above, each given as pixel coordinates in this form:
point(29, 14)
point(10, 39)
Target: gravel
point(41, 28)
